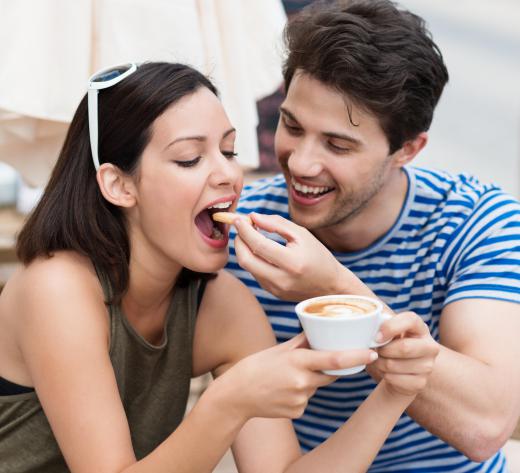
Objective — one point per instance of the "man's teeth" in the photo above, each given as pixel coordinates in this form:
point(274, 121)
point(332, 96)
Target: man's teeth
point(308, 189)
point(222, 205)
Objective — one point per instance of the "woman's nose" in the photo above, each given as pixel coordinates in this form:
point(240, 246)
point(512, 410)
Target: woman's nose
point(226, 171)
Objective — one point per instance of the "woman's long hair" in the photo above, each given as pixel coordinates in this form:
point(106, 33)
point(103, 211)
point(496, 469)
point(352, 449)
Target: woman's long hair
point(73, 214)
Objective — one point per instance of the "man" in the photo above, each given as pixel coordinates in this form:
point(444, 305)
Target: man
point(362, 82)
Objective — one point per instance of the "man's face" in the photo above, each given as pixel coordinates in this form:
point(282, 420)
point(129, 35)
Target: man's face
point(333, 167)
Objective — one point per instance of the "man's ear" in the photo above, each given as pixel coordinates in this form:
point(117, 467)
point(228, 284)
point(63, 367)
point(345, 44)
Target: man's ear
point(116, 186)
point(410, 149)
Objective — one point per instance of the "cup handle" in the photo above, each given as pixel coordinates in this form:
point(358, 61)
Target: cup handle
point(384, 317)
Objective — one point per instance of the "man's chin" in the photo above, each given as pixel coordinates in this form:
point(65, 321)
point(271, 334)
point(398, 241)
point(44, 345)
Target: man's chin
point(306, 219)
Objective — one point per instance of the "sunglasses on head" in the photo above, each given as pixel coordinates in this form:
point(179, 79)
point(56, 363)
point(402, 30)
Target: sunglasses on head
point(102, 80)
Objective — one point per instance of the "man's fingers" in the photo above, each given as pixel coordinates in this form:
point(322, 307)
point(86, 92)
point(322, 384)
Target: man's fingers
point(409, 348)
point(261, 246)
point(405, 366)
point(257, 266)
point(317, 360)
point(276, 224)
point(405, 322)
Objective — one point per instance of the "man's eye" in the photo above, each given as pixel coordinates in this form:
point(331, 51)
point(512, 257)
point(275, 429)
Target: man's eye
point(230, 154)
point(188, 164)
point(338, 149)
point(291, 128)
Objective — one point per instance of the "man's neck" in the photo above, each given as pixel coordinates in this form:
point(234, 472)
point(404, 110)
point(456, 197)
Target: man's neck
point(374, 221)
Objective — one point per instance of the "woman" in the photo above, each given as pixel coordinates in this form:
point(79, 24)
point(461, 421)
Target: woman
point(101, 329)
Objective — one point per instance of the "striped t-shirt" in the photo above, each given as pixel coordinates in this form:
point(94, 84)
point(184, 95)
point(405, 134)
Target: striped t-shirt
point(455, 238)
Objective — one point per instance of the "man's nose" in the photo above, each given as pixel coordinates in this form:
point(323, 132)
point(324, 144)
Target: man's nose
point(305, 159)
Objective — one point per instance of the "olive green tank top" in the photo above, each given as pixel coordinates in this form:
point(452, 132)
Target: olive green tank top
point(153, 382)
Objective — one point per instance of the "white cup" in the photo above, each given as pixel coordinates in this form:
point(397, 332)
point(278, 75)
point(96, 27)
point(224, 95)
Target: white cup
point(344, 330)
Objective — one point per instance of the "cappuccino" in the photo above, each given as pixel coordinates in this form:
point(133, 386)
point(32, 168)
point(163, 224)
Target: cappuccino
point(341, 322)
point(341, 308)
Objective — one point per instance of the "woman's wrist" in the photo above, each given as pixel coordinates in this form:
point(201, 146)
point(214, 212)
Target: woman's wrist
point(221, 395)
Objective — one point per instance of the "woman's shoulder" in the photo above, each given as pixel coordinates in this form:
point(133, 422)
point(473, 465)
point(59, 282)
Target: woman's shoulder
point(51, 305)
point(62, 270)
point(65, 278)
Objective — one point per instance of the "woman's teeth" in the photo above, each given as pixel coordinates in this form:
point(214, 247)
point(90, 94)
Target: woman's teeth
point(221, 205)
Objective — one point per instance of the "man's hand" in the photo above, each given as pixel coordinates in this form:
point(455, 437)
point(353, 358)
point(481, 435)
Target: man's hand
point(303, 268)
point(407, 361)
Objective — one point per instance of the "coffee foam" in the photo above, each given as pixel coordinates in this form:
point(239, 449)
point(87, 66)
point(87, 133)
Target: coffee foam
point(340, 308)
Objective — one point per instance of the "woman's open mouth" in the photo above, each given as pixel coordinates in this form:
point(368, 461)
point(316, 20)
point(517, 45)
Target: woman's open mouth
point(216, 234)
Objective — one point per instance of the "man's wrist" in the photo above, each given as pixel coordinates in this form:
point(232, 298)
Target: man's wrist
point(346, 282)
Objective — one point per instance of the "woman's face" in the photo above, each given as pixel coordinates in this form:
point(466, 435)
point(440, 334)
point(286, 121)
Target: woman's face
point(188, 167)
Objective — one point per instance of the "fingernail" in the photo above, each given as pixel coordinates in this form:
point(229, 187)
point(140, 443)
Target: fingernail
point(374, 356)
point(238, 223)
point(379, 337)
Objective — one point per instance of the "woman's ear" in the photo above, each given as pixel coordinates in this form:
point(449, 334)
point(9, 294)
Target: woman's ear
point(410, 149)
point(116, 186)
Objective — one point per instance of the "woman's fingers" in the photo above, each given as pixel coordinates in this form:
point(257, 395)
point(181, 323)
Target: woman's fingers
point(316, 360)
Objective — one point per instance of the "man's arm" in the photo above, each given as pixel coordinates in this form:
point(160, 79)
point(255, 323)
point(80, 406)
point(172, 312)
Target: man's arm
point(473, 397)
point(472, 400)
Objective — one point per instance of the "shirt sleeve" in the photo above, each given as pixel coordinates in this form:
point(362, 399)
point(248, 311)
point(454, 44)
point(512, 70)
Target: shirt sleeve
point(483, 257)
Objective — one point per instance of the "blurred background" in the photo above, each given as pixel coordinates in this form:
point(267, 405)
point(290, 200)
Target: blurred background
point(49, 48)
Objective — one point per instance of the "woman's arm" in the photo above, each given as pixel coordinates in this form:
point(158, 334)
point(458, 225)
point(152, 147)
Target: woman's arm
point(266, 444)
point(64, 338)
point(258, 447)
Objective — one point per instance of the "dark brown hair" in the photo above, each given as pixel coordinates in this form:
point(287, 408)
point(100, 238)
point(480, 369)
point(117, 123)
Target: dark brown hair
point(73, 214)
point(378, 56)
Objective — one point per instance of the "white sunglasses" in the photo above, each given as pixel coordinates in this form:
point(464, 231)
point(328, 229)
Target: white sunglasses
point(102, 80)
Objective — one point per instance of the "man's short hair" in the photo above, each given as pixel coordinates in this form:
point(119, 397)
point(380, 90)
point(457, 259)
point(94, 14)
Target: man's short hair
point(381, 57)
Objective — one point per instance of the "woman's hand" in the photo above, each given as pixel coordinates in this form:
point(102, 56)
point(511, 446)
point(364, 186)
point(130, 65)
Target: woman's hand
point(407, 361)
point(278, 382)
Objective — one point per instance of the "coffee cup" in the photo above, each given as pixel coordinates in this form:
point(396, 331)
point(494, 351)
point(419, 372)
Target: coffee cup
point(342, 322)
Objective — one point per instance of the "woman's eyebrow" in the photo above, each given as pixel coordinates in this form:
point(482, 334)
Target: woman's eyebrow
point(201, 138)
point(186, 138)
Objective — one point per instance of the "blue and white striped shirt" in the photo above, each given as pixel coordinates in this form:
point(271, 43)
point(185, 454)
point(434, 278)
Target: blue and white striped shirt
point(455, 238)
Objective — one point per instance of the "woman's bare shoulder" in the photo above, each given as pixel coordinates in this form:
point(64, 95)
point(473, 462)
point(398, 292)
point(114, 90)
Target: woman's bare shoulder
point(65, 279)
point(50, 303)
point(64, 269)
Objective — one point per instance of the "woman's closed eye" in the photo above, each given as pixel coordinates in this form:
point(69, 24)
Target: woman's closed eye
point(193, 162)
point(229, 154)
point(189, 163)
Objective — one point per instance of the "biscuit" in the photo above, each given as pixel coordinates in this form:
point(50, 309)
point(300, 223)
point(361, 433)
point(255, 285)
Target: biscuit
point(229, 217)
